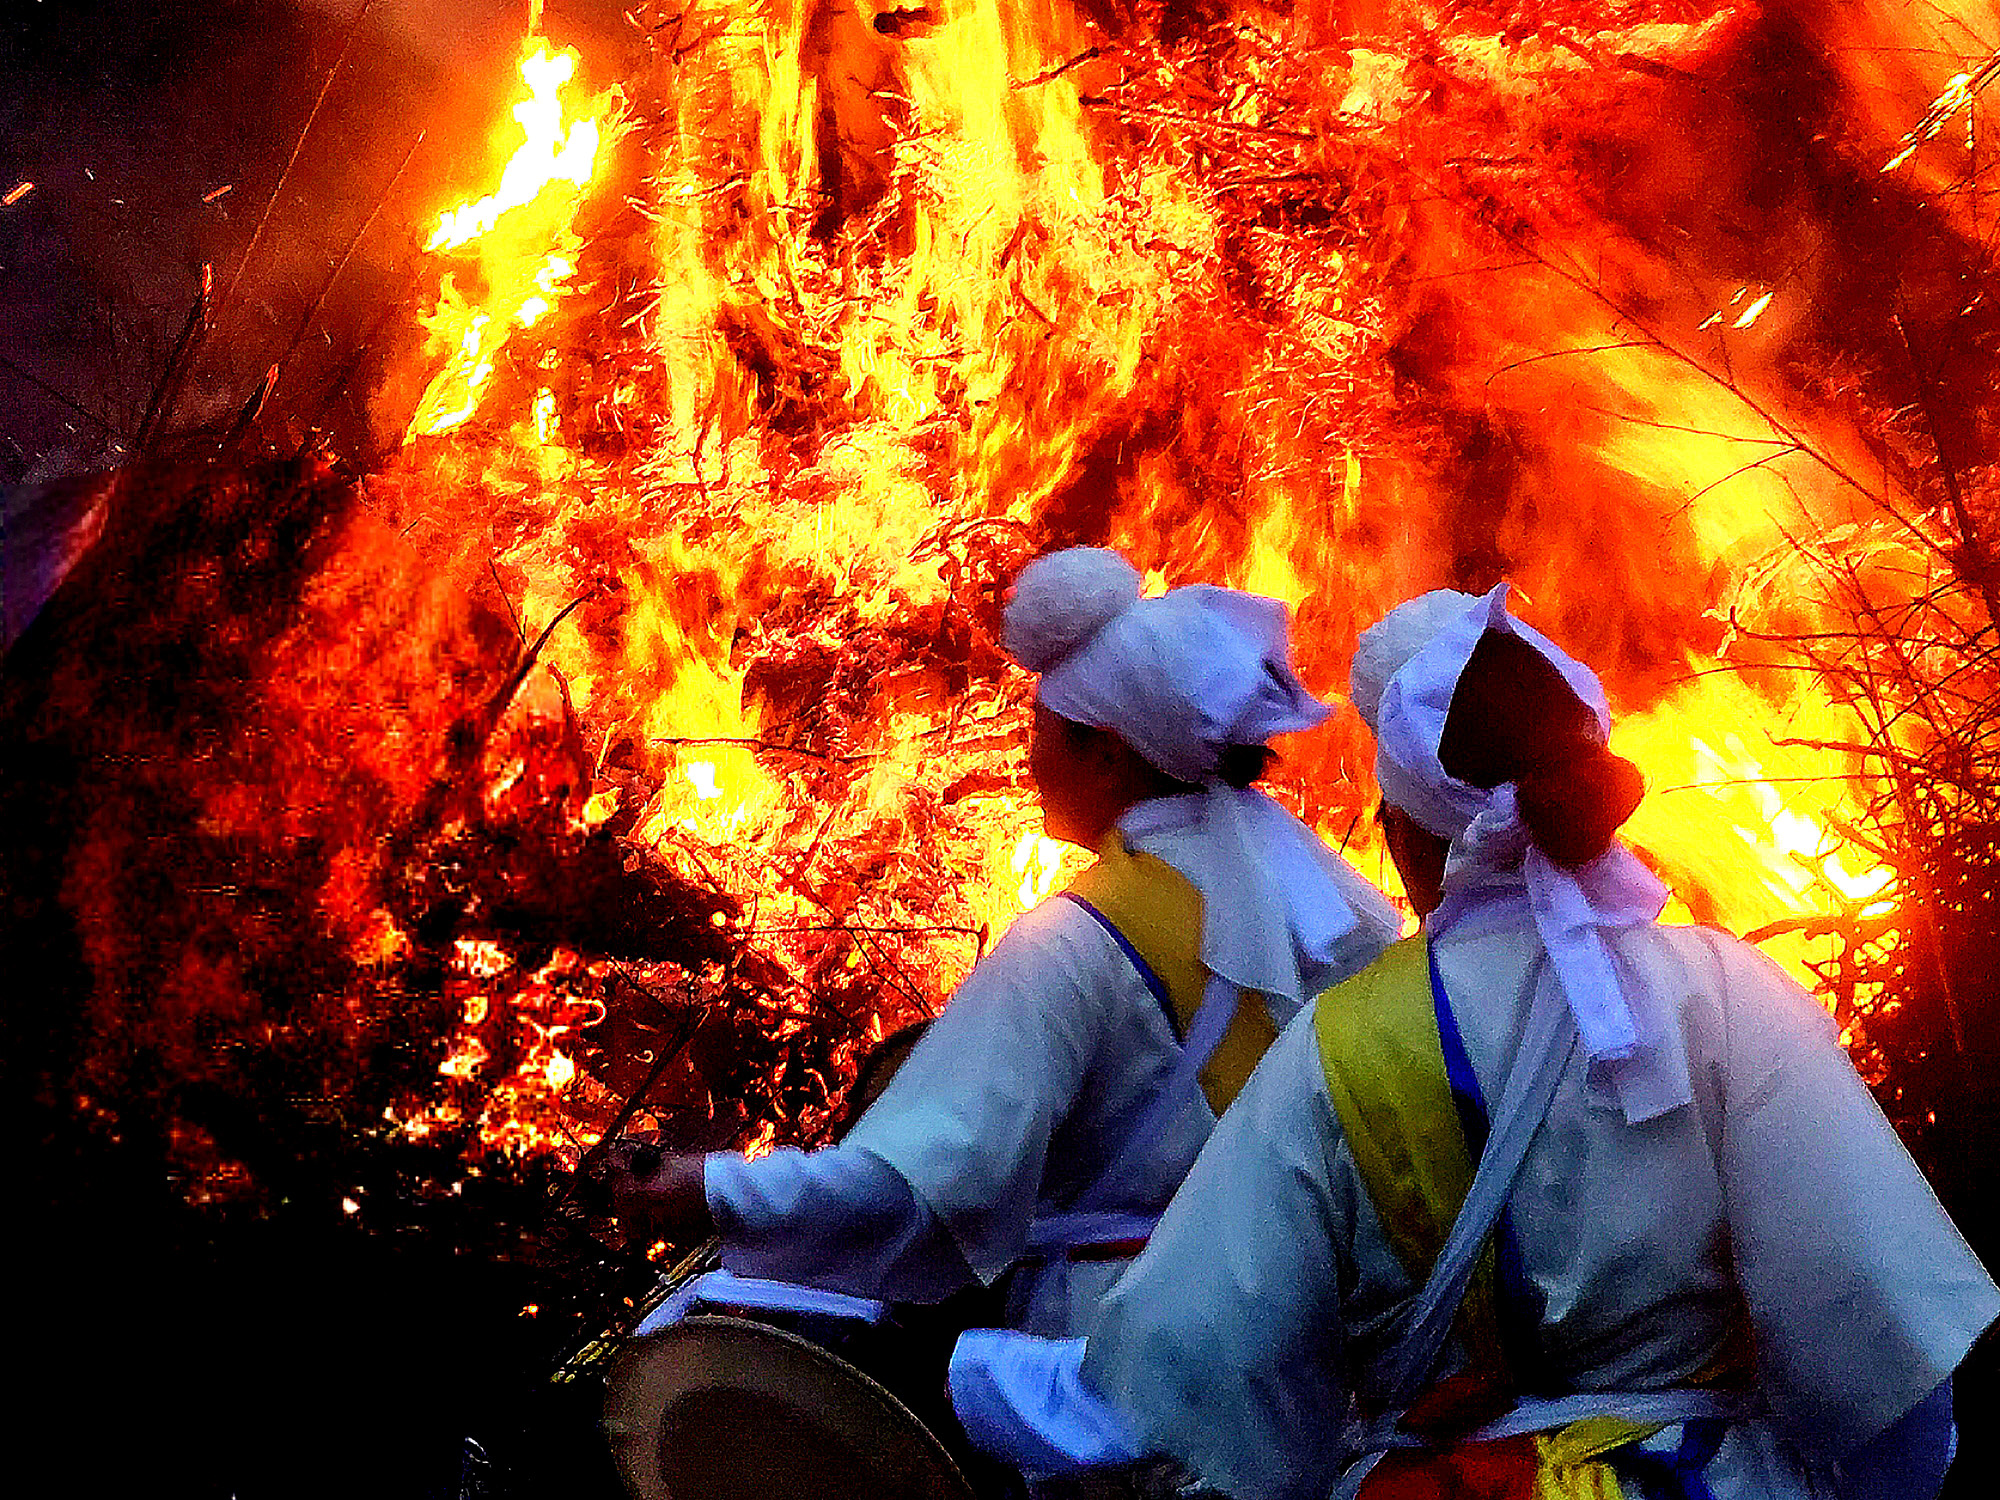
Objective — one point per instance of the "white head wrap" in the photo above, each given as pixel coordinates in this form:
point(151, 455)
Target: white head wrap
point(1393, 640)
point(1411, 663)
point(1180, 679)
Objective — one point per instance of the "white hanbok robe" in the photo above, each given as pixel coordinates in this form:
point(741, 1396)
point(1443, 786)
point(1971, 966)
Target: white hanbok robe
point(1236, 1342)
point(1013, 1104)
point(1239, 1339)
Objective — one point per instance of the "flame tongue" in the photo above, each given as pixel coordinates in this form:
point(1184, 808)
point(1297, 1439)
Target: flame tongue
point(921, 297)
point(522, 237)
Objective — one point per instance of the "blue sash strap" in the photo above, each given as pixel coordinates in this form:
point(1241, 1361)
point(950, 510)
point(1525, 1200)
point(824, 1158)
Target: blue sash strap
point(1153, 981)
point(1520, 1302)
point(1677, 1475)
point(1091, 1217)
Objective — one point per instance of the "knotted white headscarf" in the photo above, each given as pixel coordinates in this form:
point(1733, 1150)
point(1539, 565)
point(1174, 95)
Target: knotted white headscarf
point(1406, 669)
point(1180, 679)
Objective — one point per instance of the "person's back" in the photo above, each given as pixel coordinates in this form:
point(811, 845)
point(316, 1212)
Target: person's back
point(1713, 1268)
point(1754, 1224)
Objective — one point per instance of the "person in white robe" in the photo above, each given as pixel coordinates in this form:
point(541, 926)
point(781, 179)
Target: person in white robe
point(1705, 1162)
point(1051, 1110)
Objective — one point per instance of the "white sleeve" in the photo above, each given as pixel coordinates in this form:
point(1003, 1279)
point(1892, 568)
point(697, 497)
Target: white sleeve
point(968, 1120)
point(1222, 1345)
point(838, 1219)
point(1862, 1293)
point(1023, 1400)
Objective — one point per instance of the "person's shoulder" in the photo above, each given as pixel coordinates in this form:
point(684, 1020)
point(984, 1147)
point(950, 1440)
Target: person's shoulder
point(1749, 986)
point(1387, 981)
point(1055, 936)
point(1058, 920)
point(1728, 959)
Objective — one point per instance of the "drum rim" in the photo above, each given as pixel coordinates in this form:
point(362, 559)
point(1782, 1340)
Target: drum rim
point(639, 1386)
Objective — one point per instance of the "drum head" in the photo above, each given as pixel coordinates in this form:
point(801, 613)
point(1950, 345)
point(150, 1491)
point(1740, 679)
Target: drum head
point(718, 1408)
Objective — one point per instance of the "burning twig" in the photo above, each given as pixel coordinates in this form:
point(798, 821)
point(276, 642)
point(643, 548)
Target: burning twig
point(1977, 563)
point(1754, 464)
point(520, 629)
point(1518, 235)
point(1958, 95)
point(1548, 354)
point(757, 744)
point(1049, 75)
point(522, 668)
point(1198, 122)
point(252, 409)
point(593, 1158)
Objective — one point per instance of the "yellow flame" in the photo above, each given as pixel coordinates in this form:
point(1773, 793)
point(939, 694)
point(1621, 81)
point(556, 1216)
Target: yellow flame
point(1038, 860)
point(990, 309)
point(600, 806)
point(521, 235)
point(549, 154)
point(1744, 829)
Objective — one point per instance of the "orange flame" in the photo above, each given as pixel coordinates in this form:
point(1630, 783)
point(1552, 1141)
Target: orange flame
point(904, 288)
point(522, 236)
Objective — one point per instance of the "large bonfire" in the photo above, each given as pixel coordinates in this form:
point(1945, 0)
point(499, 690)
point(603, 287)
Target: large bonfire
point(785, 351)
point(634, 746)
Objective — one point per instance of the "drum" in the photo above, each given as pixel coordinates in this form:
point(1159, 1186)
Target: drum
point(736, 1389)
point(717, 1407)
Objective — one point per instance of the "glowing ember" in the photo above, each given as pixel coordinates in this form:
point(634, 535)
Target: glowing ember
point(1959, 93)
point(600, 806)
point(1754, 311)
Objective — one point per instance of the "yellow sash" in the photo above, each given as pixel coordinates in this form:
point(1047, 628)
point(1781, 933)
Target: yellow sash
point(1378, 1043)
point(1158, 911)
point(1384, 1064)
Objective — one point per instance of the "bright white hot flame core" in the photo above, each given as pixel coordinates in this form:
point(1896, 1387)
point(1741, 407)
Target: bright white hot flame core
point(550, 153)
point(1038, 861)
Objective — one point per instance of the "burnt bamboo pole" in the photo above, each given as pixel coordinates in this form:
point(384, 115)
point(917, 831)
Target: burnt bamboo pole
point(167, 390)
point(340, 269)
